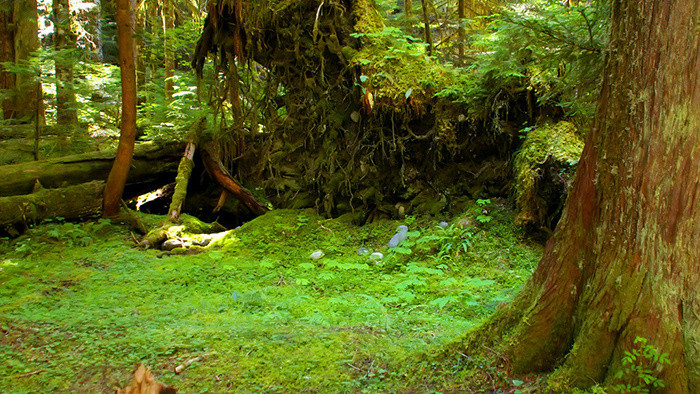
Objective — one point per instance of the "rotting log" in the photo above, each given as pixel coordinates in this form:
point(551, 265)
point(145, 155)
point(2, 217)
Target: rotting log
point(212, 161)
point(150, 163)
point(72, 202)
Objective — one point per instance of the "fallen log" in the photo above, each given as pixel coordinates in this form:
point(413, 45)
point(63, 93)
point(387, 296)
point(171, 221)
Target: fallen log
point(212, 161)
point(151, 163)
point(72, 202)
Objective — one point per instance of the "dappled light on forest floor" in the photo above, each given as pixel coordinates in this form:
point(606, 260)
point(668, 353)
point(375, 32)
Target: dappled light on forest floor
point(254, 311)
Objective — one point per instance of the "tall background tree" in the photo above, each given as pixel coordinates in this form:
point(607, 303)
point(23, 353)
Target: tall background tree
point(65, 39)
point(120, 169)
point(623, 263)
point(18, 39)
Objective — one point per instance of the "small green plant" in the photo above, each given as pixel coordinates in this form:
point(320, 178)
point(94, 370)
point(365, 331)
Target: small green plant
point(640, 368)
point(483, 212)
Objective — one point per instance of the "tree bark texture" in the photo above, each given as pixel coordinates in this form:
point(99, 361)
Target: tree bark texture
point(7, 54)
point(65, 40)
point(623, 262)
point(120, 169)
point(150, 164)
point(18, 39)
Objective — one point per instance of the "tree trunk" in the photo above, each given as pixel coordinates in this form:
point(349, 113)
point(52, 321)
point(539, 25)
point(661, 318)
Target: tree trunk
point(139, 50)
point(7, 54)
point(623, 262)
point(65, 41)
point(461, 7)
point(125, 150)
point(18, 39)
point(408, 8)
point(169, 59)
point(426, 22)
point(94, 30)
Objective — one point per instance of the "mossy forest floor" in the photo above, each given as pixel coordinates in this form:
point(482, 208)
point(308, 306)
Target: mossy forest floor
point(80, 306)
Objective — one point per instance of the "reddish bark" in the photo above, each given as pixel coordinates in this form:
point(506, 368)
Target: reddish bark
point(623, 262)
point(120, 169)
point(212, 162)
point(7, 54)
point(18, 39)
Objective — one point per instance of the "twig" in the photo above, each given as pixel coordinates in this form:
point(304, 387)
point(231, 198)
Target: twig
point(24, 375)
point(189, 362)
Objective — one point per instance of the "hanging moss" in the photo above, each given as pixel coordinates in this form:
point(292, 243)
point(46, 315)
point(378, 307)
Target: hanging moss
point(544, 168)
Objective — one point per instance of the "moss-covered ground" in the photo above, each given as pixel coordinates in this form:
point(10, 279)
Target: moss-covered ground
point(80, 306)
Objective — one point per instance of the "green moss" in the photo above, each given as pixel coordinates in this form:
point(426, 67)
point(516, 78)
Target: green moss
point(184, 171)
point(558, 143)
point(265, 316)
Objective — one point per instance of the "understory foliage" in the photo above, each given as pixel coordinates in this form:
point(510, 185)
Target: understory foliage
point(79, 306)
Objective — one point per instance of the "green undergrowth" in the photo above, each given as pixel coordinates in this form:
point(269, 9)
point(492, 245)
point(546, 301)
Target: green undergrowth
point(80, 307)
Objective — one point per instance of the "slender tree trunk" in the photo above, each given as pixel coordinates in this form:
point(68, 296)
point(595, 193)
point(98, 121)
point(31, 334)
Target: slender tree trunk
point(623, 262)
point(426, 22)
point(64, 39)
point(408, 8)
point(94, 28)
point(140, 50)
point(169, 57)
point(120, 169)
point(461, 6)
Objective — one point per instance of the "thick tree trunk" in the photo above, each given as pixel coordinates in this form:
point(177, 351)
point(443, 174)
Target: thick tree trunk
point(7, 54)
point(125, 150)
point(18, 39)
point(151, 164)
point(64, 40)
point(623, 262)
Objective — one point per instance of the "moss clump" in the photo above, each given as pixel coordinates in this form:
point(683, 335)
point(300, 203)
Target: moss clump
point(543, 168)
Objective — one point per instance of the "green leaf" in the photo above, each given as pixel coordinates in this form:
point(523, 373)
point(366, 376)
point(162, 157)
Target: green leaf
point(408, 93)
point(402, 250)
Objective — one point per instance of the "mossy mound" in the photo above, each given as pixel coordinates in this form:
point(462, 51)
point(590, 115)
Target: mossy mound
point(544, 170)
